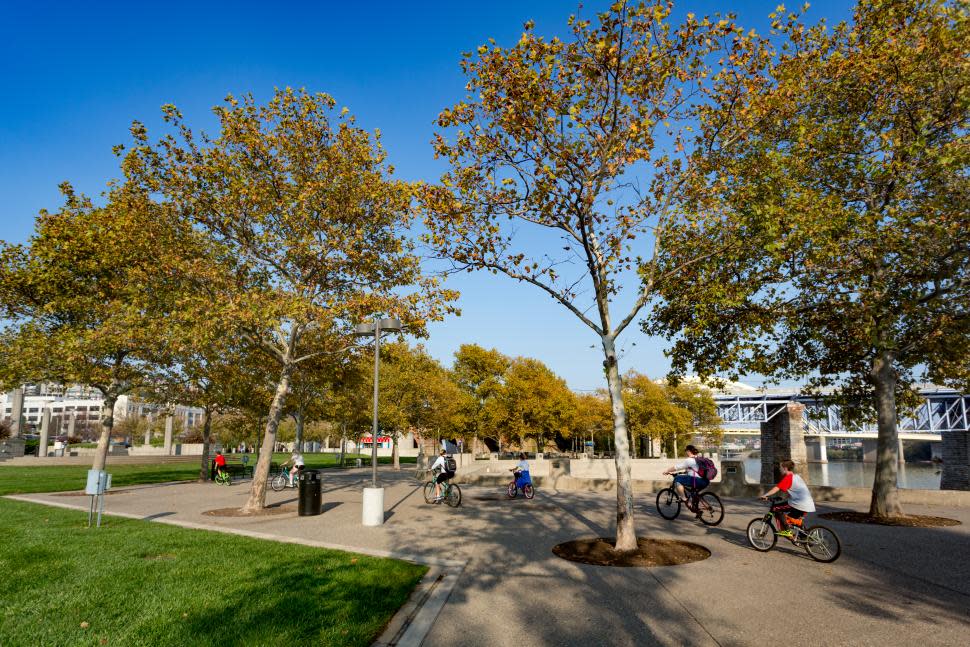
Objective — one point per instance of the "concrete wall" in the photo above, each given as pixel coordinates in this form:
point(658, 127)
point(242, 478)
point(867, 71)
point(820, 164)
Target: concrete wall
point(734, 484)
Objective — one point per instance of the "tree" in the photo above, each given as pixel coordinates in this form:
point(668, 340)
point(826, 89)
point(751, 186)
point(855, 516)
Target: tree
point(304, 201)
point(653, 415)
point(532, 402)
point(480, 373)
point(418, 393)
point(847, 174)
point(593, 417)
point(94, 297)
point(585, 146)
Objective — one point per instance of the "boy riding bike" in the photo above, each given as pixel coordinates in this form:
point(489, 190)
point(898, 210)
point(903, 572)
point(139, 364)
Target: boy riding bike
point(443, 473)
point(220, 462)
point(696, 477)
point(799, 500)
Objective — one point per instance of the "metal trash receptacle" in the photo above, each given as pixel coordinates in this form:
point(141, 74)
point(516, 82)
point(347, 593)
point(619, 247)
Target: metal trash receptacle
point(360, 462)
point(309, 497)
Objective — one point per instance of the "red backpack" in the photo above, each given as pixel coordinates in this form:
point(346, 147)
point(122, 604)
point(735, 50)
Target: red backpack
point(705, 468)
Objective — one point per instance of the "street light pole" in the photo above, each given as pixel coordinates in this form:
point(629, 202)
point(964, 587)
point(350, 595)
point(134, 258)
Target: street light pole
point(365, 330)
point(373, 433)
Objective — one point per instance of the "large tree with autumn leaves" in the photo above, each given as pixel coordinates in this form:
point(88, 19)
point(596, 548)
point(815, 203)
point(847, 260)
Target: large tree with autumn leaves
point(585, 144)
point(304, 200)
point(848, 175)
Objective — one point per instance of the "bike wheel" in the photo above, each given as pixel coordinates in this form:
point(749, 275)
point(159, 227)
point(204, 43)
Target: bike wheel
point(822, 544)
point(528, 490)
point(279, 482)
point(668, 505)
point(429, 492)
point(761, 534)
point(454, 496)
point(709, 509)
point(513, 491)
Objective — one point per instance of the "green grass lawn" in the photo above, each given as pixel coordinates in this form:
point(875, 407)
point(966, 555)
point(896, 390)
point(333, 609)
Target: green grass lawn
point(140, 583)
point(54, 478)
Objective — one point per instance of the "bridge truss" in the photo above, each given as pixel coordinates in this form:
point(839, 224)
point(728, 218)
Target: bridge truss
point(942, 410)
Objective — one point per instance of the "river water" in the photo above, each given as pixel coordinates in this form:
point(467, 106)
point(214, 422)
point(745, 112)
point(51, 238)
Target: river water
point(917, 476)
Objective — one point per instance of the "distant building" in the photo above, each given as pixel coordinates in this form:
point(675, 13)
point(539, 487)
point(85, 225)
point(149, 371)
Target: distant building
point(84, 404)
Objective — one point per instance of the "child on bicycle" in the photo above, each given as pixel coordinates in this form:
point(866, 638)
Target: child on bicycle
point(443, 474)
point(220, 463)
point(521, 471)
point(692, 479)
point(798, 503)
point(297, 460)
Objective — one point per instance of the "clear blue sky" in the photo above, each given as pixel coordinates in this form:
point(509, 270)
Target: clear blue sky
point(76, 74)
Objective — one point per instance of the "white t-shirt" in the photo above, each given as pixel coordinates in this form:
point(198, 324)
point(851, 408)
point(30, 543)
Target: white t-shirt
point(439, 464)
point(799, 496)
point(297, 459)
point(523, 466)
point(691, 466)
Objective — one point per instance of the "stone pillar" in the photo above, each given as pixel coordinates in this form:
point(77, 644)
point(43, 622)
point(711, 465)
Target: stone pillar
point(783, 438)
point(16, 412)
point(71, 424)
point(148, 429)
point(169, 424)
point(899, 441)
point(869, 447)
point(956, 460)
point(45, 431)
point(817, 452)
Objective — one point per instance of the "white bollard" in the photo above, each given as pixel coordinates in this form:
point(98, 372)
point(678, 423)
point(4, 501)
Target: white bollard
point(373, 508)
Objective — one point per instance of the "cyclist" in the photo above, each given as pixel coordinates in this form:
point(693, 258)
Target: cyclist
point(798, 503)
point(692, 478)
point(521, 471)
point(297, 460)
point(220, 463)
point(440, 467)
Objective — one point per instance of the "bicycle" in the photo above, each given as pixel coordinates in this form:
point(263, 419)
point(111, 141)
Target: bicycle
point(450, 493)
point(820, 542)
point(223, 478)
point(281, 480)
point(527, 488)
point(706, 506)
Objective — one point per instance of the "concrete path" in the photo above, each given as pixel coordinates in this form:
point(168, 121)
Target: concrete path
point(892, 586)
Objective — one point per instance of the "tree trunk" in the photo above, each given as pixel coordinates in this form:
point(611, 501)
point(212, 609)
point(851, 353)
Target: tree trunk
point(299, 418)
point(395, 452)
point(626, 536)
point(343, 441)
point(885, 497)
point(206, 431)
point(107, 423)
point(257, 492)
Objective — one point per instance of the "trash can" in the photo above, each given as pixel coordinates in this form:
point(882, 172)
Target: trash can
point(309, 504)
point(360, 462)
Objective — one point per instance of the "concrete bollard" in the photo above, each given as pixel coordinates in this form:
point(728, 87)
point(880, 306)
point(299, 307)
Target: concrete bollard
point(373, 508)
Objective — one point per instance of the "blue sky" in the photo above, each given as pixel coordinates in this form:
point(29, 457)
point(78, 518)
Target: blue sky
point(76, 74)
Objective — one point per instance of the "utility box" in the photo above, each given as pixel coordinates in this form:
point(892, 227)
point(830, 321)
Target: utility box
point(98, 482)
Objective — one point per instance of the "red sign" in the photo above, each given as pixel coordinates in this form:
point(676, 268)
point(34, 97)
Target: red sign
point(380, 439)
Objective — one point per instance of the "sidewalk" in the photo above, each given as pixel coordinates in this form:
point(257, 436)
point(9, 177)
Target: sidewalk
point(892, 586)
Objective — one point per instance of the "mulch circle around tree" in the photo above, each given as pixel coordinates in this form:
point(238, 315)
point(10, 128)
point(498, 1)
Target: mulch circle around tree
point(909, 521)
point(237, 512)
point(650, 552)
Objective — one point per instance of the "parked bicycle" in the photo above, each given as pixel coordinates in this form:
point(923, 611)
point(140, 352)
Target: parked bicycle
point(450, 493)
point(820, 542)
point(522, 481)
point(706, 506)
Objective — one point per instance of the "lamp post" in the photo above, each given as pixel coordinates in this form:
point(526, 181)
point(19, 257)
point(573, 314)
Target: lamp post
point(374, 498)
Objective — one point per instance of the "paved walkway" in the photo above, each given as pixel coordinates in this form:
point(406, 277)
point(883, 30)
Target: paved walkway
point(892, 586)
